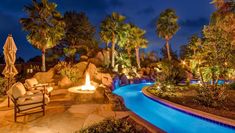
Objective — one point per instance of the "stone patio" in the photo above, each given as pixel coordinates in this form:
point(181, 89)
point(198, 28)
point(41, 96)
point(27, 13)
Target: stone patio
point(63, 115)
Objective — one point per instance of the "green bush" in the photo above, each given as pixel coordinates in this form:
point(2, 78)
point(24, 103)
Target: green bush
point(210, 96)
point(73, 73)
point(232, 86)
point(4, 84)
point(124, 125)
point(165, 91)
point(171, 72)
point(60, 66)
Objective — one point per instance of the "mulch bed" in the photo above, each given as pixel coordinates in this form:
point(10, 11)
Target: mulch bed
point(188, 97)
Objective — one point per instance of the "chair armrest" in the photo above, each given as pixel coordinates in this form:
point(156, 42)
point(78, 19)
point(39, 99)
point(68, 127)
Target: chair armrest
point(30, 96)
point(41, 85)
point(44, 84)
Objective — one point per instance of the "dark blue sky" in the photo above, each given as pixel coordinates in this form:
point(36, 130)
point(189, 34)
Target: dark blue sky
point(193, 15)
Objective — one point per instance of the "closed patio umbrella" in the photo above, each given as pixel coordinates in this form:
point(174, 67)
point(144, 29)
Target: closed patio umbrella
point(9, 50)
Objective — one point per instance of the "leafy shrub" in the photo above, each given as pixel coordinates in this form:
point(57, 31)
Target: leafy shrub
point(165, 91)
point(210, 96)
point(60, 66)
point(73, 73)
point(171, 72)
point(232, 86)
point(123, 60)
point(124, 125)
point(4, 83)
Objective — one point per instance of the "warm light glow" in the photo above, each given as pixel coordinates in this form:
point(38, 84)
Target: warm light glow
point(88, 85)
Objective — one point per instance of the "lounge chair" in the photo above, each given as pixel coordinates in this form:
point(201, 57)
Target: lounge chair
point(27, 102)
point(32, 84)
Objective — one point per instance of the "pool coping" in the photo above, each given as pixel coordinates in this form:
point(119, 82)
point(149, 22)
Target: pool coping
point(150, 127)
point(194, 112)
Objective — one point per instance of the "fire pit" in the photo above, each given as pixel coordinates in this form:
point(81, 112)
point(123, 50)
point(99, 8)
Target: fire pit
point(84, 93)
point(87, 88)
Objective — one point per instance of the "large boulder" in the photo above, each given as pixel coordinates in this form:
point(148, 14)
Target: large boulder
point(105, 79)
point(95, 61)
point(86, 67)
point(83, 58)
point(100, 57)
point(124, 80)
point(65, 82)
point(45, 77)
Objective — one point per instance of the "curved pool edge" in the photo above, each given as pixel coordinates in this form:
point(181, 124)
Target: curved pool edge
point(152, 128)
point(194, 112)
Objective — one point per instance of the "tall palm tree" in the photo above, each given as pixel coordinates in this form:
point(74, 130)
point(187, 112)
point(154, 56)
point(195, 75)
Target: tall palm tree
point(110, 29)
point(138, 41)
point(44, 26)
point(167, 26)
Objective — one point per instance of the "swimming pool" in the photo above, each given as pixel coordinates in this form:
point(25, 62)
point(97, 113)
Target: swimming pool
point(164, 117)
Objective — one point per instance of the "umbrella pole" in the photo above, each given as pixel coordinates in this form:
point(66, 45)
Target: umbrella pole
point(8, 99)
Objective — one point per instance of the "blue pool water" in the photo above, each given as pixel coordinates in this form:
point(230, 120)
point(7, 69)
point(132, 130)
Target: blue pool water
point(164, 117)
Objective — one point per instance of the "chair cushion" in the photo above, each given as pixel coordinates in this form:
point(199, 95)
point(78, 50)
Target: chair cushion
point(30, 83)
point(18, 90)
point(33, 99)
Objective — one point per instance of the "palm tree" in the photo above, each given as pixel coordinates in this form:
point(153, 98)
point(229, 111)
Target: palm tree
point(138, 41)
point(167, 26)
point(111, 28)
point(105, 37)
point(44, 26)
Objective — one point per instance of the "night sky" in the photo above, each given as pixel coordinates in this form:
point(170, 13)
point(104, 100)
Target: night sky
point(193, 15)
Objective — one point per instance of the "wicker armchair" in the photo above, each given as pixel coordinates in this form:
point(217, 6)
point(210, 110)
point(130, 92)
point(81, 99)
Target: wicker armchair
point(27, 102)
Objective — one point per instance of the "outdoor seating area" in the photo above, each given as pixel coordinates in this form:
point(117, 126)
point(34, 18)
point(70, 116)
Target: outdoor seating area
point(117, 66)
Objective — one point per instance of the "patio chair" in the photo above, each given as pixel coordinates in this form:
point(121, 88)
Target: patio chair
point(27, 102)
point(32, 84)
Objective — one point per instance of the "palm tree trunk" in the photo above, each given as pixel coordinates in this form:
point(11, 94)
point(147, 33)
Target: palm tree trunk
point(137, 57)
point(113, 58)
point(43, 60)
point(113, 50)
point(168, 49)
point(107, 46)
point(129, 53)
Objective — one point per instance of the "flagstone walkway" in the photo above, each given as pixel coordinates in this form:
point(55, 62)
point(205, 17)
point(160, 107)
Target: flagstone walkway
point(62, 116)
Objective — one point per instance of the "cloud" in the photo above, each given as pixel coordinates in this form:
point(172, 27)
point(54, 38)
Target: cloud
point(194, 23)
point(147, 10)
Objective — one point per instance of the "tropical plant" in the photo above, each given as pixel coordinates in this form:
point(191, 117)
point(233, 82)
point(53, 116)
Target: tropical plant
point(5, 85)
point(79, 33)
point(44, 25)
point(133, 38)
point(167, 26)
point(171, 72)
point(139, 42)
point(124, 125)
point(123, 59)
point(190, 48)
point(212, 57)
point(111, 31)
